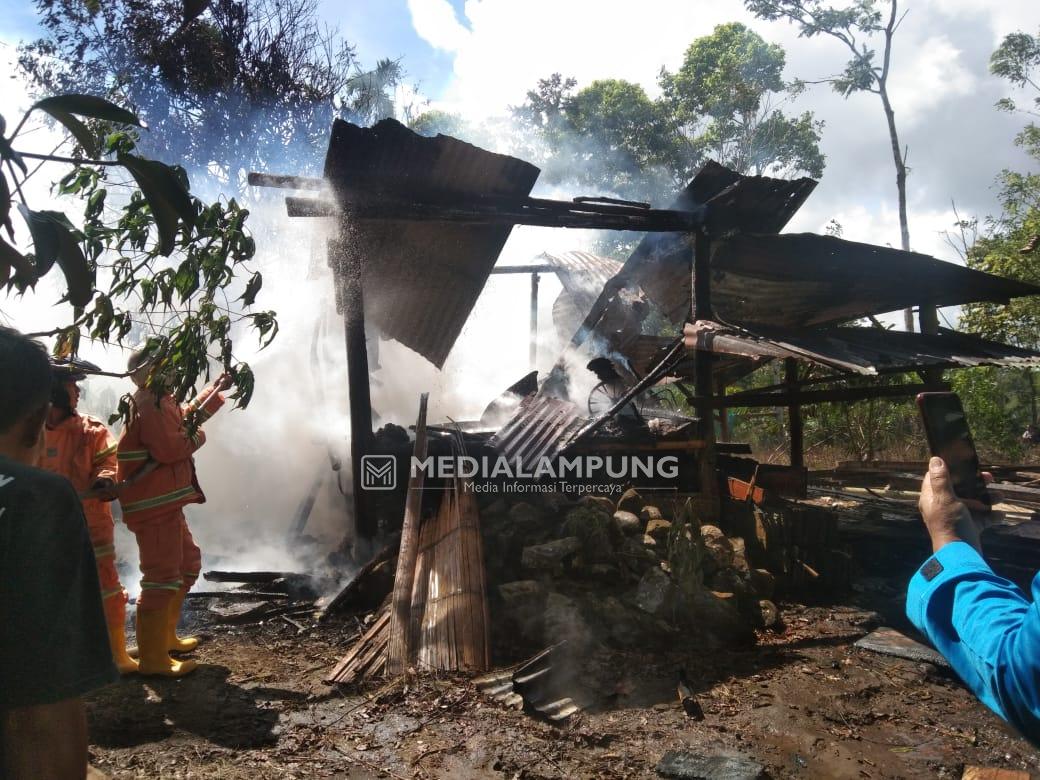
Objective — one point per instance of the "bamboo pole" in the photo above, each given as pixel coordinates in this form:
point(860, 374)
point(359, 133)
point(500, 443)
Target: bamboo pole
point(399, 646)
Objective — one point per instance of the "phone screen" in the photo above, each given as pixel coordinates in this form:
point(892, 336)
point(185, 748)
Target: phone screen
point(949, 437)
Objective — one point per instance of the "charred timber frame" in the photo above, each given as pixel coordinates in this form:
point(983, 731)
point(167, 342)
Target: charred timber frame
point(704, 385)
point(358, 381)
point(495, 210)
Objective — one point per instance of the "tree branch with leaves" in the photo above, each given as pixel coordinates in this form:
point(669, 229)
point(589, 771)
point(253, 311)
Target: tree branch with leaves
point(855, 26)
point(160, 267)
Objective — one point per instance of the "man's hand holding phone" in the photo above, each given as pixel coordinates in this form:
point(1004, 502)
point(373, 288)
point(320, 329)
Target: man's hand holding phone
point(946, 516)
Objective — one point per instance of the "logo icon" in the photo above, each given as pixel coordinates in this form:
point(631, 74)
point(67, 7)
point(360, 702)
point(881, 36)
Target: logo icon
point(378, 472)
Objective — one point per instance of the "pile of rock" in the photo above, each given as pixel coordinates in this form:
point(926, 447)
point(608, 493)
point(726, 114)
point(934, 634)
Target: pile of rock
point(625, 574)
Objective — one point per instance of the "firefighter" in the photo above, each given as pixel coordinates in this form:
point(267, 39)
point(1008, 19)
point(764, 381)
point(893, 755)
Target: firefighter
point(81, 449)
point(158, 479)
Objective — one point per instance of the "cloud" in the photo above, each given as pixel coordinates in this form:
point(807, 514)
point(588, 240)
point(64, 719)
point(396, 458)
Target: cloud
point(436, 23)
point(938, 72)
point(941, 90)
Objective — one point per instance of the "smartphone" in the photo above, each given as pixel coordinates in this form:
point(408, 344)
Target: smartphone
point(946, 427)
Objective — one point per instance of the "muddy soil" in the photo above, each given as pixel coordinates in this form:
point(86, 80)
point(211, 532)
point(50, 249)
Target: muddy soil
point(802, 702)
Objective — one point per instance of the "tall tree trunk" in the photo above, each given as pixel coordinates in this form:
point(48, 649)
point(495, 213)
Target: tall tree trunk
point(897, 158)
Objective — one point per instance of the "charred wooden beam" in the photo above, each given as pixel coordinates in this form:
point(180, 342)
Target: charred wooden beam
point(345, 594)
point(505, 211)
point(794, 414)
point(358, 384)
point(253, 577)
point(841, 394)
point(524, 269)
point(285, 182)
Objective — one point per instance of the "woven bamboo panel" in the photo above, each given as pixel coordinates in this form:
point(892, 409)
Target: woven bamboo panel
point(450, 621)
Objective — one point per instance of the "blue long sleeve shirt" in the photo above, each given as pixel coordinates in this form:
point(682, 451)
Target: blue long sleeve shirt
point(986, 628)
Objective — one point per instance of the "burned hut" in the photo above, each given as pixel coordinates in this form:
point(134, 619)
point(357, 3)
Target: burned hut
point(421, 223)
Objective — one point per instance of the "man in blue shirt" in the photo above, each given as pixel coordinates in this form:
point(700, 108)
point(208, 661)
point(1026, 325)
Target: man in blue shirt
point(983, 624)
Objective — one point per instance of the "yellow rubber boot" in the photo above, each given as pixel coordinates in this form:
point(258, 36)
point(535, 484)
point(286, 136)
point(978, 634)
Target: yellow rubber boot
point(174, 643)
point(115, 617)
point(153, 654)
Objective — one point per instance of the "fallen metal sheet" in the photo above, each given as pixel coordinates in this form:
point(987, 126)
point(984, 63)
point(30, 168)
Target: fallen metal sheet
point(888, 641)
point(866, 351)
point(542, 427)
point(420, 279)
point(544, 688)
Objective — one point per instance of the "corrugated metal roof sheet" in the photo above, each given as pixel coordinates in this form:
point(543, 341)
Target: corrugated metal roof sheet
point(859, 350)
point(420, 279)
point(541, 427)
point(800, 279)
point(582, 275)
point(758, 204)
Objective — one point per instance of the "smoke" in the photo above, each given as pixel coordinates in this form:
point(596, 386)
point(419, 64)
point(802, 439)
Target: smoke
point(261, 464)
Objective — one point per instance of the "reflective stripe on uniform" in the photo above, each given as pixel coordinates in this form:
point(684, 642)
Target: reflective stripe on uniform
point(104, 551)
point(107, 594)
point(100, 456)
point(133, 455)
point(175, 585)
point(166, 498)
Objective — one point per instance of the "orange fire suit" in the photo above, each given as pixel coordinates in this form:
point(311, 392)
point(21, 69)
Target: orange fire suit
point(153, 504)
point(82, 450)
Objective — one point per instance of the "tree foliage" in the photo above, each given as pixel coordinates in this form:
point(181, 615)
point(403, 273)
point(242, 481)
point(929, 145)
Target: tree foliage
point(227, 86)
point(157, 266)
point(1001, 402)
point(721, 104)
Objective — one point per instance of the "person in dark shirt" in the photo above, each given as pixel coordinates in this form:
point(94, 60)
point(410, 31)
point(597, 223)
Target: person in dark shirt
point(53, 637)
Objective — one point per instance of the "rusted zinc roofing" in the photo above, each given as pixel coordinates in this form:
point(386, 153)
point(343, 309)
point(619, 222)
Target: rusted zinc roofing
point(582, 275)
point(750, 204)
point(542, 427)
point(420, 279)
point(858, 350)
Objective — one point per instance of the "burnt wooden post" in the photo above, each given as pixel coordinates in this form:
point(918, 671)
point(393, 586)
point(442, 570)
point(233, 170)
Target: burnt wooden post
point(353, 307)
point(703, 383)
point(928, 320)
point(724, 432)
point(794, 414)
point(534, 318)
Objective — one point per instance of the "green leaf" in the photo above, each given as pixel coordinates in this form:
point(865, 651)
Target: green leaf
point(79, 276)
point(88, 106)
point(79, 130)
point(10, 258)
point(5, 207)
point(166, 194)
point(44, 236)
point(7, 153)
point(55, 239)
point(252, 288)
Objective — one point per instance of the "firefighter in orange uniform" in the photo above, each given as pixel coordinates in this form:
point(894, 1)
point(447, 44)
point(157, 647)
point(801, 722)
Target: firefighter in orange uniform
point(81, 449)
point(158, 475)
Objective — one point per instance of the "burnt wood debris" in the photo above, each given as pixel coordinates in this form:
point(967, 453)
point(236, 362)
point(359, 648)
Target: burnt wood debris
point(459, 581)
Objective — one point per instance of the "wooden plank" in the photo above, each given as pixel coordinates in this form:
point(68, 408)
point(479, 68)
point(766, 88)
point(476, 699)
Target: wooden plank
point(399, 646)
point(358, 660)
point(341, 598)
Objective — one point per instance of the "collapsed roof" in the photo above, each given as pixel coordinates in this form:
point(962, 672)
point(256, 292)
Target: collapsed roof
point(426, 219)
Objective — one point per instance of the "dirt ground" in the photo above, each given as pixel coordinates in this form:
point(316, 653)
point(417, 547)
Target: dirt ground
point(803, 702)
